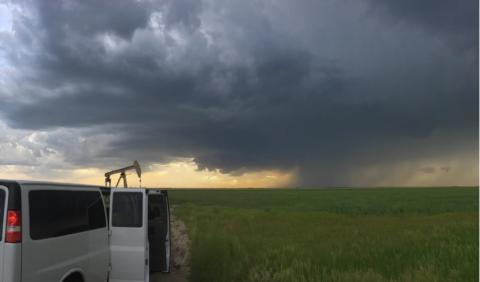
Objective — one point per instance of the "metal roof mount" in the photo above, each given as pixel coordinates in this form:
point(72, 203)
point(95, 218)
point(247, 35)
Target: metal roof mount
point(123, 175)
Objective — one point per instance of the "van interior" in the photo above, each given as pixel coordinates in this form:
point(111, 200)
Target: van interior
point(158, 232)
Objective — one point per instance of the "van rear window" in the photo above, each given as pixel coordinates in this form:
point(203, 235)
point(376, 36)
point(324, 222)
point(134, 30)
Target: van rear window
point(127, 209)
point(56, 213)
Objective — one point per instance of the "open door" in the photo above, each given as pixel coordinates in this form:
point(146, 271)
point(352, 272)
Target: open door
point(128, 235)
point(159, 231)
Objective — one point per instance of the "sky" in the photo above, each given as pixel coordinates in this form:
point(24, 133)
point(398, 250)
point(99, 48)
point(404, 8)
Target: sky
point(273, 93)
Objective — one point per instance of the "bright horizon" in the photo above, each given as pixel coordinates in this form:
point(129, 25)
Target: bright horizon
point(184, 174)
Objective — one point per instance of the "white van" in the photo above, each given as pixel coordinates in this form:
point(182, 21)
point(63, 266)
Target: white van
point(53, 232)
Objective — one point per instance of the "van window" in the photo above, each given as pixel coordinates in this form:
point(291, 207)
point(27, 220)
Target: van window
point(56, 213)
point(2, 211)
point(127, 209)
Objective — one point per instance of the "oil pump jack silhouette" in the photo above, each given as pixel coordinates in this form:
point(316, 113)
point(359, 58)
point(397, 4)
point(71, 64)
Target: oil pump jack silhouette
point(123, 175)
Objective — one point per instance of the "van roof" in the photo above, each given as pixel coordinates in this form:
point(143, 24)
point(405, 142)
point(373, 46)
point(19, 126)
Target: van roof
point(52, 183)
point(32, 182)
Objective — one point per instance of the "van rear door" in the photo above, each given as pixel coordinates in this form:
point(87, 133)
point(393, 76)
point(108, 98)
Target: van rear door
point(128, 231)
point(3, 211)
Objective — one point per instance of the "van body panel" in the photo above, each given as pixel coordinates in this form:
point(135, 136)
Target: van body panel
point(128, 239)
point(12, 252)
point(50, 259)
point(12, 267)
point(3, 213)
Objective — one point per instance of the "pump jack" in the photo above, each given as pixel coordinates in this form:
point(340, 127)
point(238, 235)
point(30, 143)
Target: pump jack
point(123, 175)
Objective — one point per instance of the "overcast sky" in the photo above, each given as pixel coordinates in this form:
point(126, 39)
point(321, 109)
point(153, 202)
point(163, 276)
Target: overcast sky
point(313, 93)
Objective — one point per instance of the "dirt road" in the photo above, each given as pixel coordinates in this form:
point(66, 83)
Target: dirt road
point(180, 268)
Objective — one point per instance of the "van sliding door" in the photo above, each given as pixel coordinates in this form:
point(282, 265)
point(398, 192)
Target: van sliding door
point(128, 241)
point(159, 231)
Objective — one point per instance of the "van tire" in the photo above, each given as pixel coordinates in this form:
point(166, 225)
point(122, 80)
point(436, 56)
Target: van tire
point(74, 277)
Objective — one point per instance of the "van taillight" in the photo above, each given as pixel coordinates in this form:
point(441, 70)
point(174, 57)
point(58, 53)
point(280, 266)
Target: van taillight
point(13, 233)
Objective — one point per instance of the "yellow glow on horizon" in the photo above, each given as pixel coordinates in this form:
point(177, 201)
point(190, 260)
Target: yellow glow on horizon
point(178, 174)
point(184, 173)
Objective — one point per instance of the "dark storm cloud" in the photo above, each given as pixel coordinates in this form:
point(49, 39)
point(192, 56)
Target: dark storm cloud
point(88, 17)
point(455, 19)
point(245, 86)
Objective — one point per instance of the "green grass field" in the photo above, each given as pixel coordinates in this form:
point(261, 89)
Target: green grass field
point(391, 234)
